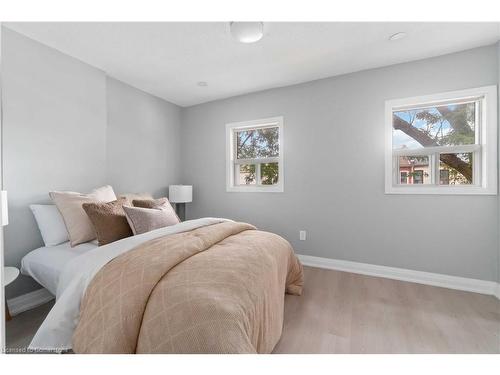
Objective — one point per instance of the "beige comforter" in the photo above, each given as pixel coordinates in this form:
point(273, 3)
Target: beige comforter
point(215, 289)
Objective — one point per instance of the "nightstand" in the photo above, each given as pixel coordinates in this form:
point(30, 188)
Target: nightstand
point(9, 275)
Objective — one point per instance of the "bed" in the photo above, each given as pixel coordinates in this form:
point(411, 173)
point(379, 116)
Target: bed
point(202, 286)
point(45, 264)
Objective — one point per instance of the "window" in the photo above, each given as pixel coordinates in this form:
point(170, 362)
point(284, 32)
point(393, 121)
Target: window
point(255, 155)
point(442, 144)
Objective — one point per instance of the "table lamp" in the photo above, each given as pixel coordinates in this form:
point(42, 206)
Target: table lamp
point(180, 195)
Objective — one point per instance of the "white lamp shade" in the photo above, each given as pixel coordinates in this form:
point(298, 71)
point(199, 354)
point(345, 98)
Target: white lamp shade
point(180, 193)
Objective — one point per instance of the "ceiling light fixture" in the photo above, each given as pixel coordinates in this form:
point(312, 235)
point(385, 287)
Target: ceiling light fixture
point(247, 32)
point(202, 84)
point(397, 36)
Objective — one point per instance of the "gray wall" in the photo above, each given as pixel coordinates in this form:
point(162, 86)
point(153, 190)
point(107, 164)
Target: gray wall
point(54, 135)
point(143, 151)
point(334, 171)
point(63, 129)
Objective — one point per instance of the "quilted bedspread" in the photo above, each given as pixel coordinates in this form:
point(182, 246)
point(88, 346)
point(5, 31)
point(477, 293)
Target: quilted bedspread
point(216, 289)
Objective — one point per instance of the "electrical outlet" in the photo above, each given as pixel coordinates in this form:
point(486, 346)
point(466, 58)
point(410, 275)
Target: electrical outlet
point(302, 235)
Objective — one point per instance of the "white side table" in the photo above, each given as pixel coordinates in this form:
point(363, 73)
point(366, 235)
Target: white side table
point(9, 275)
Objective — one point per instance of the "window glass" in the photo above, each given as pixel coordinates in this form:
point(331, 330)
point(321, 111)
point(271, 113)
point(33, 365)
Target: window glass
point(245, 174)
point(269, 173)
point(416, 170)
point(458, 168)
point(257, 143)
point(404, 177)
point(446, 125)
point(444, 177)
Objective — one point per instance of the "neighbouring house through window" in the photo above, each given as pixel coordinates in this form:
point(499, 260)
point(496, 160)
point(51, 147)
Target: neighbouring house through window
point(404, 177)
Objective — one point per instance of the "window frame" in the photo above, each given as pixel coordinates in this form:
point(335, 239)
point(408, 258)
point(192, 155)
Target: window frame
point(232, 161)
point(484, 167)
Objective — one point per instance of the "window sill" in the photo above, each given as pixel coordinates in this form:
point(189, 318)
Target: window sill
point(440, 190)
point(254, 189)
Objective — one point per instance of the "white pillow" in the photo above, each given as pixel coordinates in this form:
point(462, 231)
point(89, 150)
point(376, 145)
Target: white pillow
point(50, 223)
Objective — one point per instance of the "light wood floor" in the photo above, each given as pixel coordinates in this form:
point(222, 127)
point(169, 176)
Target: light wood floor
point(342, 312)
point(20, 330)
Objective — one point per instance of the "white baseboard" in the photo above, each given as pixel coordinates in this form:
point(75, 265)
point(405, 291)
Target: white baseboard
point(420, 277)
point(29, 301)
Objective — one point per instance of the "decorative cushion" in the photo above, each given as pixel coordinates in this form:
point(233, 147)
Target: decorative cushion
point(77, 222)
point(158, 204)
point(143, 220)
point(109, 220)
point(150, 203)
point(131, 196)
point(50, 223)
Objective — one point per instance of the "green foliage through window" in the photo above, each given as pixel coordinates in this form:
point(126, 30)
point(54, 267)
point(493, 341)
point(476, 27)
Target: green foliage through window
point(269, 173)
point(257, 143)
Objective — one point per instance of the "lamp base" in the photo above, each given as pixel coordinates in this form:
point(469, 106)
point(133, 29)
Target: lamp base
point(180, 210)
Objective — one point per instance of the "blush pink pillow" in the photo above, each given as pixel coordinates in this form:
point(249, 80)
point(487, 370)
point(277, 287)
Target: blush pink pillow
point(142, 220)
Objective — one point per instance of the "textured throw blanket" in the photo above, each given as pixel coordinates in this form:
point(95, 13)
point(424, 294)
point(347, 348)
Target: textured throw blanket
point(215, 289)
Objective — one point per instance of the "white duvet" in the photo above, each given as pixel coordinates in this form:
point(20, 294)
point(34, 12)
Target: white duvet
point(46, 264)
point(56, 331)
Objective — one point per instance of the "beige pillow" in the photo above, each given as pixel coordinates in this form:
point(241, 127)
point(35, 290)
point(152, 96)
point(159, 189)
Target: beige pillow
point(131, 196)
point(158, 204)
point(109, 220)
point(143, 220)
point(77, 222)
point(150, 202)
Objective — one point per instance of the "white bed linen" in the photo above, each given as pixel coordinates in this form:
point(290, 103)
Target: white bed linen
point(57, 329)
point(45, 264)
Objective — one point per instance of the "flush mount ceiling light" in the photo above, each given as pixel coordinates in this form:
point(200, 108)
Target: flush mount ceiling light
point(247, 32)
point(202, 84)
point(397, 36)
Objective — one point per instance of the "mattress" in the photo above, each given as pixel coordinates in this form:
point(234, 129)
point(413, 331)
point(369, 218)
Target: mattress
point(45, 264)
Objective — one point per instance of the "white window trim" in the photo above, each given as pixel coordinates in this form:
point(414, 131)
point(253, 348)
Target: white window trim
point(230, 151)
point(488, 143)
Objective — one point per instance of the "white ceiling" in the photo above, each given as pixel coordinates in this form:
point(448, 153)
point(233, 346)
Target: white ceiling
point(168, 59)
